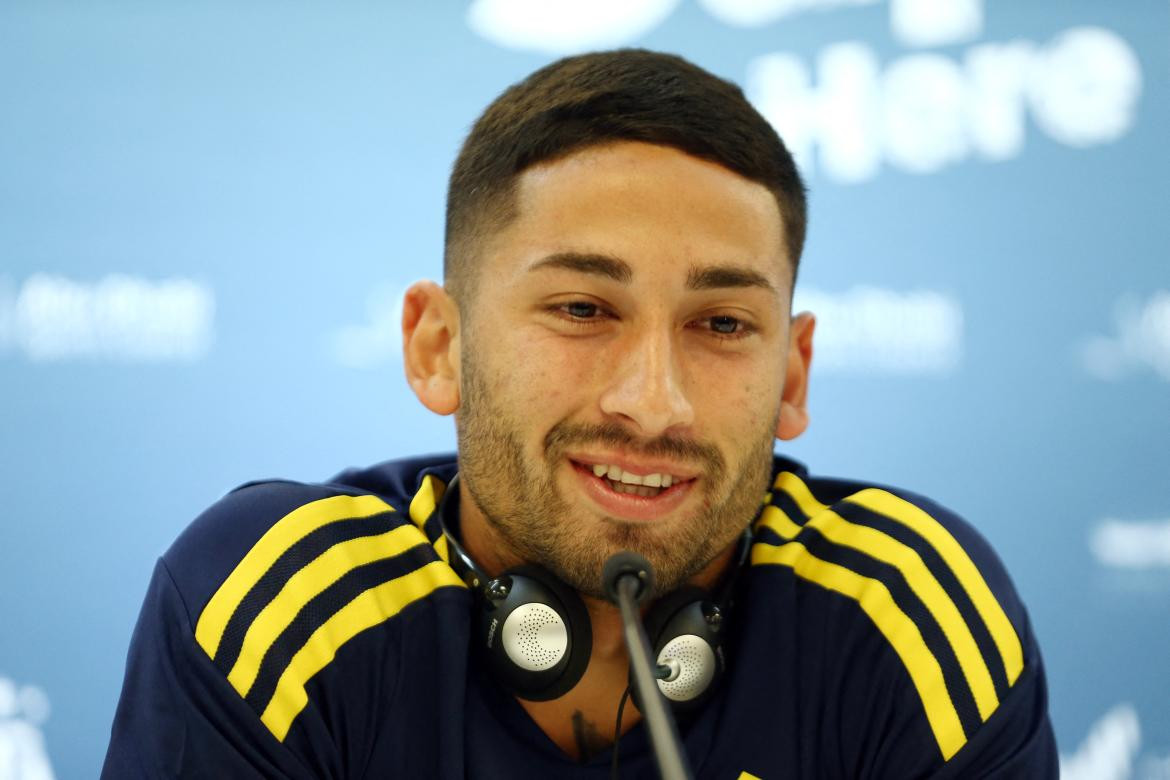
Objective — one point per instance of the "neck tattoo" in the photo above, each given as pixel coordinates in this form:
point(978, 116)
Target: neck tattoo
point(589, 740)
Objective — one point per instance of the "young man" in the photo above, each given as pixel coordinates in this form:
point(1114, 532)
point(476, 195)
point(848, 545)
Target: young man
point(615, 342)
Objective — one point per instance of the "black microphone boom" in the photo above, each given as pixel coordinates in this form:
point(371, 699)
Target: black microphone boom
point(627, 579)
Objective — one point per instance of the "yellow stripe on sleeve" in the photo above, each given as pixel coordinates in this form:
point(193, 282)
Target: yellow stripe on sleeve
point(1001, 629)
point(773, 517)
point(798, 491)
point(284, 534)
point(422, 506)
point(368, 609)
point(303, 586)
point(898, 629)
point(913, 517)
point(892, 552)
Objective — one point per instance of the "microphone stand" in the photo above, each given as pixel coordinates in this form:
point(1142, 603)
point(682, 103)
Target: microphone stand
point(668, 752)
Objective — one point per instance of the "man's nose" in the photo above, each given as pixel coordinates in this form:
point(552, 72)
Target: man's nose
point(647, 388)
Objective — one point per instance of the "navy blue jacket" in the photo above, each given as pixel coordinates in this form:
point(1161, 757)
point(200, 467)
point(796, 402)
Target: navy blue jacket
point(317, 631)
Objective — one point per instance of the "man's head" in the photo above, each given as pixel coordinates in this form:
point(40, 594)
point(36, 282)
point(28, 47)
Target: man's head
point(595, 99)
point(621, 354)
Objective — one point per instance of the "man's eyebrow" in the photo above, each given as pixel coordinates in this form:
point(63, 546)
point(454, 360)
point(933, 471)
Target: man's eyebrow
point(588, 263)
point(709, 277)
point(713, 277)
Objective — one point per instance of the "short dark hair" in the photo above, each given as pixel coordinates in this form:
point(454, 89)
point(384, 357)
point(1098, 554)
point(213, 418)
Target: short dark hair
point(592, 99)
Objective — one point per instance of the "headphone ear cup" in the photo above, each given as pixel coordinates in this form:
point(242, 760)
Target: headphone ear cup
point(686, 634)
point(538, 637)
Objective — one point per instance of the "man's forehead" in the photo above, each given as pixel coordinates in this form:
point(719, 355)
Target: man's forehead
point(594, 210)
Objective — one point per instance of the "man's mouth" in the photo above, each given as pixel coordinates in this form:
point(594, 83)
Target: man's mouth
point(629, 483)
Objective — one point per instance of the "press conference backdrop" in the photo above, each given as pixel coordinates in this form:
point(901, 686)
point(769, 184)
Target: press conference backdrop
point(208, 213)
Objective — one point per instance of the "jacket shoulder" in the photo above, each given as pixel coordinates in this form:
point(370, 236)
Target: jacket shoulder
point(277, 576)
point(912, 577)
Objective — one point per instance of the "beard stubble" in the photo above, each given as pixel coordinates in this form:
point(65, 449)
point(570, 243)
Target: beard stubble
point(527, 513)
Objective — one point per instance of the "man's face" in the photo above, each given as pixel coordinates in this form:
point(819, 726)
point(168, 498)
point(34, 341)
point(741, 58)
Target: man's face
point(632, 320)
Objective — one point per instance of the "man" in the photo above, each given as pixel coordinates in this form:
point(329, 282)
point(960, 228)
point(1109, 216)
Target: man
point(615, 341)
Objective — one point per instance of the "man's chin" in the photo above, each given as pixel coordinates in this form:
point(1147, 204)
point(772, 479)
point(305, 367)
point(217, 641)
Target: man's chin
point(583, 571)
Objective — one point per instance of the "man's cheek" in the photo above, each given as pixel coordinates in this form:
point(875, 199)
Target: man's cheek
point(536, 388)
point(552, 377)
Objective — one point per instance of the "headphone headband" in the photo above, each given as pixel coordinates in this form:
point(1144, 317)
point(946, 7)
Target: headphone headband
point(537, 636)
point(463, 564)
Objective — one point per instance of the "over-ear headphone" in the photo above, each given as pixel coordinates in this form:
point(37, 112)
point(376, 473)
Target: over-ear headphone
point(536, 635)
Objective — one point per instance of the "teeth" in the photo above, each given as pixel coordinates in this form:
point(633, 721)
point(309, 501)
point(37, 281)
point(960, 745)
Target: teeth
point(626, 478)
point(635, 490)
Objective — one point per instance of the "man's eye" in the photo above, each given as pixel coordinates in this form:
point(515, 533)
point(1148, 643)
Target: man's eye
point(725, 326)
point(580, 310)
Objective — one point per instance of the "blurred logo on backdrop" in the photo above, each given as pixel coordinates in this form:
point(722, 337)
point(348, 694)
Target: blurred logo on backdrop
point(23, 710)
point(875, 330)
point(1133, 559)
point(1112, 751)
point(1137, 545)
point(119, 318)
point(846, 114)
point(1136, 551)
point(376, 340)
point(1141, 340)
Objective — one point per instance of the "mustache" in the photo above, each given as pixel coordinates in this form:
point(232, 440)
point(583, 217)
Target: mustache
point(564, 435)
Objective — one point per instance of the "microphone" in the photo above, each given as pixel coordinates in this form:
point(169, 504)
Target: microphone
point(626, 563)
point(627, 579)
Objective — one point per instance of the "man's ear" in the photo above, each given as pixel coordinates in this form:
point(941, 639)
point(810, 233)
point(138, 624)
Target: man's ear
point(430, 346)
point(794, 398)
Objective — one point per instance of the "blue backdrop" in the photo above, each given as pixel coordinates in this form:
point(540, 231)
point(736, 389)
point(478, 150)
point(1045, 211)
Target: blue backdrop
point(208, 213)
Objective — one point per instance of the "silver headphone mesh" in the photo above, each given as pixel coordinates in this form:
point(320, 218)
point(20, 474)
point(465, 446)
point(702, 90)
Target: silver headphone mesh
point(696, 663)
point(535, 637)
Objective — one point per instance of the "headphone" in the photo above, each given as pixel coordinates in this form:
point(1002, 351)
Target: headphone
point(536, 635)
